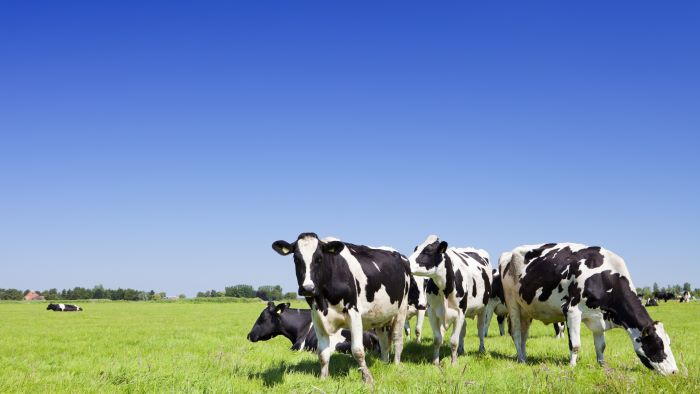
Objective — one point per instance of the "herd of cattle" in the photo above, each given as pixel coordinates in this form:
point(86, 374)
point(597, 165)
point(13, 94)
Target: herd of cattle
point(361, 298)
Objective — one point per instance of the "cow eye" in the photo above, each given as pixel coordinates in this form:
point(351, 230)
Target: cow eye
point(638, 340)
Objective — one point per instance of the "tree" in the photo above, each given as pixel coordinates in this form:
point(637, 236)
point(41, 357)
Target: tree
point(242, 291)
point(290, 296)
point(269, 293)
point(686, 286)
point(656, 287)
point(182, 296)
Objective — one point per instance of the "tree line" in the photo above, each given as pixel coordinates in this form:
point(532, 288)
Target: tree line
point(648, 292)
point(81, 293)
point(265, 293)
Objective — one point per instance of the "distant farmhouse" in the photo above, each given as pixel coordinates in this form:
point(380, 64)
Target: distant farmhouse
point(34, 296)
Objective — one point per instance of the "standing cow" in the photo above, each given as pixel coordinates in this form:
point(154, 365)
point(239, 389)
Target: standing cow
point(459, 286)
point(564, 281)
point(685, 297)
point(351, 286)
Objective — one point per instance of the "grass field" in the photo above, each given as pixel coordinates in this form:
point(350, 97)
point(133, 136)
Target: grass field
point(186, 347)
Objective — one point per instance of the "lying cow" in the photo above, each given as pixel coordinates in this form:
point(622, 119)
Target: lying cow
point(63, 308)
point(416, 307)
point(652, 302)
point(459, 287)
point(497, 305)
point(685, 297)
point(295, 325)
point(351, 286)
point(553, 282)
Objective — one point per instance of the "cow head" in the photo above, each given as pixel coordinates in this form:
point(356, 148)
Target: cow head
point(51, 307)
point(428, 258)
point(653, 347)
point(309, 252)
point(269, 323)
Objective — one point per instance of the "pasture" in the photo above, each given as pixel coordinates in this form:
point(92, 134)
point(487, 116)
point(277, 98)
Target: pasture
point(188, 347)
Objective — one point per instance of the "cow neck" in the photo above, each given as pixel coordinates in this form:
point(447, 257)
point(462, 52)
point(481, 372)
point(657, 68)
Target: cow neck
point(449, 276)
point(295, 326)
point(628, 312)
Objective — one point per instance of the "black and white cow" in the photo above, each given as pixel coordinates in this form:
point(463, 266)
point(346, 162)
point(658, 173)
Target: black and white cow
point(555, 282)
point(664, 295)
point(295, 325)
point(497, 305)
point(63, 308)
point(652, 302)
point(685, 297)
point(351, 286)
point(459, 287)
point(417, 308)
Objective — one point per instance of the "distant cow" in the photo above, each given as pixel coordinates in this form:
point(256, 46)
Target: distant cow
point(652, 302)
point(351, 286)
point(551, 282)
point(63, 308)
point(416, 307)
point(459, 286)
point(497, 305)
point(664, 295)
point(295, 325)
point(685, 297)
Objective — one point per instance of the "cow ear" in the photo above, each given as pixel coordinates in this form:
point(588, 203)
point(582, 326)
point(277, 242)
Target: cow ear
point(333, 247)
point(281, 307)
point(270, 305)
point(282, 247)
point(443, 247)
point(648, 330)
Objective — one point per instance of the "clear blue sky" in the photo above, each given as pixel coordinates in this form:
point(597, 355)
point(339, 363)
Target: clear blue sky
point(166, 145)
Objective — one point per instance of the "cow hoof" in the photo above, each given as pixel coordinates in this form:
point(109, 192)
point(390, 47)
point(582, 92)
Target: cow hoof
point(482, 350)
point(366, 376)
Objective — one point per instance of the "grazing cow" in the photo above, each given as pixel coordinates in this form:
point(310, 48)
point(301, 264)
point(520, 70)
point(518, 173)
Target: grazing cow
point(295, 325)
point(497, 305)
point(685, 297)
point(553, 282)
point(459, 286)
point(63, 308)
point(416, 307)
point(652, 302)
point(664, 295)
point(351, 286)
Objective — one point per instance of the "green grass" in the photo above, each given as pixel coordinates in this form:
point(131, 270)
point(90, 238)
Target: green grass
point(188, 347)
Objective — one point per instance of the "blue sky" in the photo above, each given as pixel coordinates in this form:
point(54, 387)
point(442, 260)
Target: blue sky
point(166, 145)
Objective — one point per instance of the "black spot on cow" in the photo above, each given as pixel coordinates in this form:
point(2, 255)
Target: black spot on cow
point(473, 287)
point(611, 292)
point(388, 268)
point(487, 286)
point(653, 346)
point(459, 286)
point(546, 271)
point(476, 256)
point(449, 276)
point(497, 287)
point(432, 288)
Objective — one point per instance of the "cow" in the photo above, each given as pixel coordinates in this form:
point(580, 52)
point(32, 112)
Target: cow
point(497, 305)
point(573, 282)
point(664, 295)
point(295, 325)
point(652, 302)
point(63, 308)
point(416, 307)
point(351, 286)
point(459, 286)
point(685, 297)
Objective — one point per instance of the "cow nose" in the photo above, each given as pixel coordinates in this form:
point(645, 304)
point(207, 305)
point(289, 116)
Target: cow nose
point(309, 288)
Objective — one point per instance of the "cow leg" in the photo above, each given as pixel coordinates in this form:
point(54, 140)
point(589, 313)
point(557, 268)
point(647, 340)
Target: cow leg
point(488, 315)
point(357, 347)
point(437, 327)
point(597, 327)
point(407, 329)
point(324, 352)
point(419, 324)
point(460, 349)
point(524, 333)
point(501, 329)
point(384, 346)
point(515, 327)
point(573, 322)
point(397, 335)
point(456, 335)
point(481, 330)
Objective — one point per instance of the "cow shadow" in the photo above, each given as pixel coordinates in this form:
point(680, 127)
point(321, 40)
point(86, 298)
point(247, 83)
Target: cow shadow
point(531, 359)
point(339, 366)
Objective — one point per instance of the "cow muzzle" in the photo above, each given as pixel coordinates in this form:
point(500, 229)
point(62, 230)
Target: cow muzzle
point(306, 290)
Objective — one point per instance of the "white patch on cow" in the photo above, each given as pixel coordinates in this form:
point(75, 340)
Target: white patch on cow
point(307, 247)
point(62, 306)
